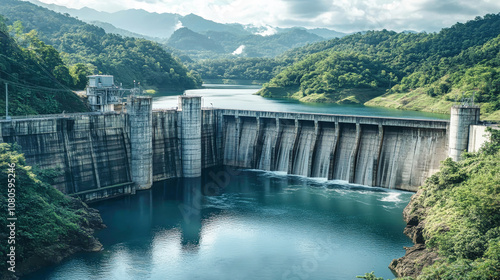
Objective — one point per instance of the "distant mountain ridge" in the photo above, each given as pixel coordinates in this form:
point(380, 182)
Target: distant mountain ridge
point(223, 43)
point(163, 25)
point(409, 70)
point(126, 58)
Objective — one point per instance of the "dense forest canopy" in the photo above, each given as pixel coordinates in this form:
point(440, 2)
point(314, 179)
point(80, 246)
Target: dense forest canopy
point(38, 80)
point(50, 224)
point(237, 68)
point(464, 58)
point(126, 58)
point(459, 208)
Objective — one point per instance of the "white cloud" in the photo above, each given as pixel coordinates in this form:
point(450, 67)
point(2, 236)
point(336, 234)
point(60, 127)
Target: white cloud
point(341, 15)
point(178, 25)
point(267, 31)
point(239, 50)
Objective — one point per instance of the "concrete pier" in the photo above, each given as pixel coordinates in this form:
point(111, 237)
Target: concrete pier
point(462, 117)
point(141, 140)
point(190, 134)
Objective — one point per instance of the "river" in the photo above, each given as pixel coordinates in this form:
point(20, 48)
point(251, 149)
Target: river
point(247, 224)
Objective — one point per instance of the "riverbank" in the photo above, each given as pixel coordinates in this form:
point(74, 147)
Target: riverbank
point(45, 226)
point(344, 96)
point(418, 100)
point(453, 221)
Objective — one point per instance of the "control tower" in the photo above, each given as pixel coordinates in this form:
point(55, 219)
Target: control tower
point(102, 93)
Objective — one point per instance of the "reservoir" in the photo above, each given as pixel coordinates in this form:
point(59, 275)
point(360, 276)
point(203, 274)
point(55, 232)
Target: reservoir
point(248, 224)
point(243, 97)
point(245, 224)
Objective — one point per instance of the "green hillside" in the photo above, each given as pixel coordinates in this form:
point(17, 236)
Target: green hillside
point(455, 220)
point(126, 58)
point(50, 226)
point(237, 68)
point(39, 81)
point(222, 45)
point(186, 39)
point(430, 70)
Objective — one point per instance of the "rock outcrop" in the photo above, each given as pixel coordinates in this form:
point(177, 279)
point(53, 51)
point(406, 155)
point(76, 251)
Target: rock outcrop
point(418, 256)
point(83, 240)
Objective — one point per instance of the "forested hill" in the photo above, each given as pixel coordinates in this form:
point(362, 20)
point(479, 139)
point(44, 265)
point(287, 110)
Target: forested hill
point(38, 80)
point(128, 59)
point(421, 69)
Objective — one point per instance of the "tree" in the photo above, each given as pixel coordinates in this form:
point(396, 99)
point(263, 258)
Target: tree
point(79, 72)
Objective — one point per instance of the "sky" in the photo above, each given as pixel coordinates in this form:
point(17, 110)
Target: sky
point(340, 15)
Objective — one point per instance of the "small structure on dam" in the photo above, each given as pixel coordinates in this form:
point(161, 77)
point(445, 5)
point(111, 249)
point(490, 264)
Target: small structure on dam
point(104, 154)
point(462, 118)
point(102, 93)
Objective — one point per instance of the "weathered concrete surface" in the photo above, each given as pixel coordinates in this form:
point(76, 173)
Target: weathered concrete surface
point(367, 155)
point(324, 151)
point(166, 146)
point(287, 134)
point(477, 137)
point(90, 151)
point(265, 145)
point(141, 140)
point(462, 117)
point(409, 156)
point(101, 155)
point(302, 155)
point(385, 152)
point(190, 134)
point(211, 138)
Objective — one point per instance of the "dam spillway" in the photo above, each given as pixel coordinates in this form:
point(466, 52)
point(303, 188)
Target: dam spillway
point(385, 152)
point(98, 155)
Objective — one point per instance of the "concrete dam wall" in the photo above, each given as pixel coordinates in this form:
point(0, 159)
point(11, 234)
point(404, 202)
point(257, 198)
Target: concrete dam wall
point(391, 153)
point(90, 151)
point(98, 155)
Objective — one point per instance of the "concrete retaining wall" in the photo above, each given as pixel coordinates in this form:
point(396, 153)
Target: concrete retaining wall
point(90, 151)
point(105, 154)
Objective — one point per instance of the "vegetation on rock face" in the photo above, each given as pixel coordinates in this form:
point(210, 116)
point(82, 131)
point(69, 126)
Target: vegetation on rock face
point(456, 214)
point(50, 225)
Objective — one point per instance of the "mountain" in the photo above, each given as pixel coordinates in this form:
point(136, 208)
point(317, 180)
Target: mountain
point(134, 20)
point(416, 70)
point(38, 80)
point(326, 33)
point(201, 25)
point(109, 28)
point(186, 39)
point(235, 40)
point(163, 25)
point(128, 59)
point(215, 44)
point(155, 25)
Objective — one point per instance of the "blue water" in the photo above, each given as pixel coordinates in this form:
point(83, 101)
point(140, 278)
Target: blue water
point(248, 224)
point(243, 97)
point(245, 224)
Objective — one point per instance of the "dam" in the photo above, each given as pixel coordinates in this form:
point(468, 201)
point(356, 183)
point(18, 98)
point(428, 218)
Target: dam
point(100, 155)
